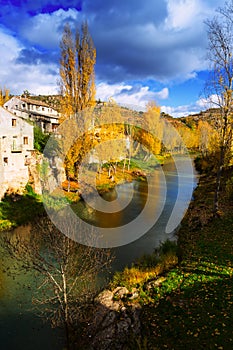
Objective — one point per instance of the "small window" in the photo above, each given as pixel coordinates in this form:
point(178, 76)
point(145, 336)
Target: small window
point(42, 108)
point(23, 105)
point(25, 140)
point(5, 160)
point(13, 123)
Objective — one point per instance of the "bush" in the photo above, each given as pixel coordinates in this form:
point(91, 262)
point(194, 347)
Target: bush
point(40, 139)
point(167, 247)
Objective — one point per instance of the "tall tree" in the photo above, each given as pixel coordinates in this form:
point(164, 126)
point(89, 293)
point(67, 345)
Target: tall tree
point(220, 84)
point(78, 57)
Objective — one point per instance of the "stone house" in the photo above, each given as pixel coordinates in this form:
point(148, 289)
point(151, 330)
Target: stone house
point(35, 111)
point(16, 146)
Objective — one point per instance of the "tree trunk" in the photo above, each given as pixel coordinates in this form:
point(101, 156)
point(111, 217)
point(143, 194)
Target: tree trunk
point(218, 182)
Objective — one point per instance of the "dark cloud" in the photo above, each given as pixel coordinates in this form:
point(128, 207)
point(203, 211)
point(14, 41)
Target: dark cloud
point(132, 41)
point(39, 6)
point(131, 90)
point(120, 12)
point(35, 57)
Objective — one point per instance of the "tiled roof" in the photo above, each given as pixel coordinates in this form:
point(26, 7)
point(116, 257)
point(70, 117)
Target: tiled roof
point(34, 102)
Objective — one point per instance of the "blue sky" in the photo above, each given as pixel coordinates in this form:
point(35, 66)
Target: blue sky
point(146, 50)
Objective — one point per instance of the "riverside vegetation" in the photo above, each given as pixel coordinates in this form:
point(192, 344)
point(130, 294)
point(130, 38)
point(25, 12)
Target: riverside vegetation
point(184, 290)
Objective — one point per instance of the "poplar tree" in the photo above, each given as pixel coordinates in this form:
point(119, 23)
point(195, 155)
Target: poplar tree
point(77, 85)
point(77, 61)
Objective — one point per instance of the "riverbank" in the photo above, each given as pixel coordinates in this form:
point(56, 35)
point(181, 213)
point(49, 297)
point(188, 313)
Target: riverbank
point(184, 297)
point(106, 180)
point(193, 308)
point(21, 209)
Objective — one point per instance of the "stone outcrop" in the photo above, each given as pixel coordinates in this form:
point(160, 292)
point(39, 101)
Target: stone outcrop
point(54, 173)
point(115, 320)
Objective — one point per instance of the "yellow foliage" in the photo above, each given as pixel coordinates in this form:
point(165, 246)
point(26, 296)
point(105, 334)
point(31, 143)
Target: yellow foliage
point(153, 124)
point(4, 96)
point(78, 57)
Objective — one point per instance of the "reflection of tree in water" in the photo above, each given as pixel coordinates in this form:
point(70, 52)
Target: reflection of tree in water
point(66, 271)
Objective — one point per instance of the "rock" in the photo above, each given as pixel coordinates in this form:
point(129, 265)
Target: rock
point(114, 321)
point(120, 292)
point(154, 284)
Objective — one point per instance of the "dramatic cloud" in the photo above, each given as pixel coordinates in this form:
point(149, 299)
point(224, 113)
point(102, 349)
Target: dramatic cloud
point(46, 28)
point(145, 50)
point(161, 40)
point(22, 69)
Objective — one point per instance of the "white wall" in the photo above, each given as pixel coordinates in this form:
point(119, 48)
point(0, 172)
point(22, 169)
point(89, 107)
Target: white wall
point(16, 144)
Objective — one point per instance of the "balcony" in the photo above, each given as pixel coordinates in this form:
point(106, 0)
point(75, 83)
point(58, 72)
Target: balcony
point(16, 148)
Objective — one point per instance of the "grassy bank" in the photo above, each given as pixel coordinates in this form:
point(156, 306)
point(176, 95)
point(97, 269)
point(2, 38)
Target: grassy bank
point(186, 294)
point(20, 209)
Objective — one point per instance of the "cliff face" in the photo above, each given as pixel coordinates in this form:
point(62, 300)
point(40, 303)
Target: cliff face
point(55, 173)
point(32, 176)
point(34, 172)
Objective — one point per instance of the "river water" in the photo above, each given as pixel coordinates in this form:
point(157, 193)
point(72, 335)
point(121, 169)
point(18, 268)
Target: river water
point(21, 328)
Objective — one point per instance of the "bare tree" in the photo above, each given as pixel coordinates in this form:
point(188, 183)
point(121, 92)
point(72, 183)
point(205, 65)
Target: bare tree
point(219, 86)
point(67, 273)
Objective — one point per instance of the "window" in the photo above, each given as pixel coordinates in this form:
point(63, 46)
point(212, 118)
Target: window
point(25, 140)
point(42, 108)
point(13, 122)
point(23, 105)
point(5, 160)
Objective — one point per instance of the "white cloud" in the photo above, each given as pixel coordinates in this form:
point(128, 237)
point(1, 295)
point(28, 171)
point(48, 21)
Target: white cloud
point(36, 79)
point(182, 13)
point(129, 94)
point(10, 48)
point(163, 94)
point(17, 77)
point(212, 101)
point(184, 110)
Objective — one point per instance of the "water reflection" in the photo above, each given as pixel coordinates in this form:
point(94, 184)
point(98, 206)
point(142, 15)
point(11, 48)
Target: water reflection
point(19, 326)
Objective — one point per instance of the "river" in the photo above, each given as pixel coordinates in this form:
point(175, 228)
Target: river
point(21, 328)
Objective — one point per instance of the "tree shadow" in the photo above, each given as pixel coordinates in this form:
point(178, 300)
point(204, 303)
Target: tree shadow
point(21, 209)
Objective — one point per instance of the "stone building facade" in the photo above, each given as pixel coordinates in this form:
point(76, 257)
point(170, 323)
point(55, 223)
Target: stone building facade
point(16, 146)
point(35, 111)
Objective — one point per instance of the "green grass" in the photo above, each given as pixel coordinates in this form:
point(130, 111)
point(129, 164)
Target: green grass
point(193, 308)
point(16, 210)
point(192, 305)
point(149, 165)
